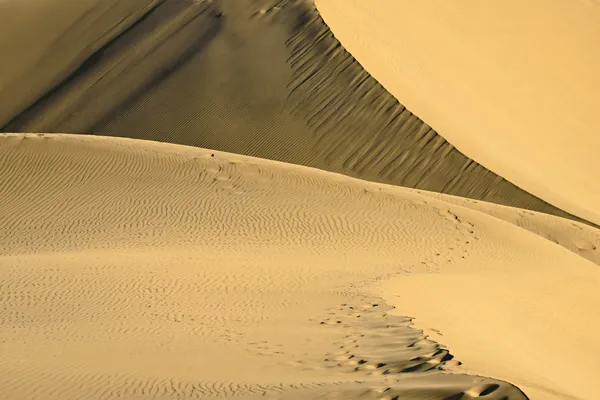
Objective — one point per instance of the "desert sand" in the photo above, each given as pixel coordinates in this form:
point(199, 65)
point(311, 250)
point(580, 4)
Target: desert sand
point(143, 270)
point(213, 198)
point(265, 78)
point(512, 84)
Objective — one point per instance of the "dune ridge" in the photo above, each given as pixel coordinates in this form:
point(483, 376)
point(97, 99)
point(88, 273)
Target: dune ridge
point(513, 85)
point(136, 268)
point(261, 78)
point(213, 198)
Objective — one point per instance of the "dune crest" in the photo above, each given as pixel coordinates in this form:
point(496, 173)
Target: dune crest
point(263, 78)
point(513, 85)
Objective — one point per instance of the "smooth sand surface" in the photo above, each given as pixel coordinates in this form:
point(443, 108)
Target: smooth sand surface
point(512, 84)
point(265, 78)
point(136, 269)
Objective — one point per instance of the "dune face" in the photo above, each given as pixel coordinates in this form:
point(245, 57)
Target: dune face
point(147, 252)
point(44, 42)
point(141, 270)
point(261, 78)
point(134, 269)
point(512, 84)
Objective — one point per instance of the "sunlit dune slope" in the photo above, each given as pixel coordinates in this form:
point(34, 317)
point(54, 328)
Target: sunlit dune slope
point(512, 84)
point(136, 269)
point(261, 78)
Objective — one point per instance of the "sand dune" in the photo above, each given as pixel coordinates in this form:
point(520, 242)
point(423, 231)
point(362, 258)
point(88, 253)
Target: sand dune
point(137, 269)
point(149, 254)
point(512, 84)
point(263, 78)
point(579, 238)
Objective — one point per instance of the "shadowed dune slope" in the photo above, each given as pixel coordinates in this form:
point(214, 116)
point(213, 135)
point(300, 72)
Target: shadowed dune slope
point(261, 78)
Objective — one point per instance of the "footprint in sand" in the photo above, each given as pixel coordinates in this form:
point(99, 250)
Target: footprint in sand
point(383, 348)
point(584, 245)
point(377, 343)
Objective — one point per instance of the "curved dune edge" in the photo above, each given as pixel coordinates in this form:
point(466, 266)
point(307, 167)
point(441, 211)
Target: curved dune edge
point(579, 238)
point(512, 87)
point(137, 268)
point(263, 78)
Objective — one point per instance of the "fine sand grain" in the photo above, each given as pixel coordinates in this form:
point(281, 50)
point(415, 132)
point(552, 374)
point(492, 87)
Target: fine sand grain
point(265, 78)
point(512, 84)
point(136, 269)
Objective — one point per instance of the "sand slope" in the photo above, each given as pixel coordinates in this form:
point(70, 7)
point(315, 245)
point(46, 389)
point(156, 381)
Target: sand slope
point(514, 85)
point(579, 238)
point(49, 40)
point(264, 78)
point(144, 270)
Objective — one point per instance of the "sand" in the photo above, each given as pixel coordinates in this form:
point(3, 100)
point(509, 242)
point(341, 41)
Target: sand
point(262, 78)
point(512, 84)
point(214, 198)
point(138, 269)
point(46, 41)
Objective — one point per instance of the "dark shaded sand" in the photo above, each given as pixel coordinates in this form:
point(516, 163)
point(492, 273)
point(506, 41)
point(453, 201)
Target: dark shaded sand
point(260, 78)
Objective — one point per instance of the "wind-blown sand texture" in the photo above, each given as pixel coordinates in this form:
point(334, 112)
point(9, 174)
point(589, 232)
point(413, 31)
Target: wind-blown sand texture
point(261, 78)
point(139, 269)
point(135, 269)
point(512, 84)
